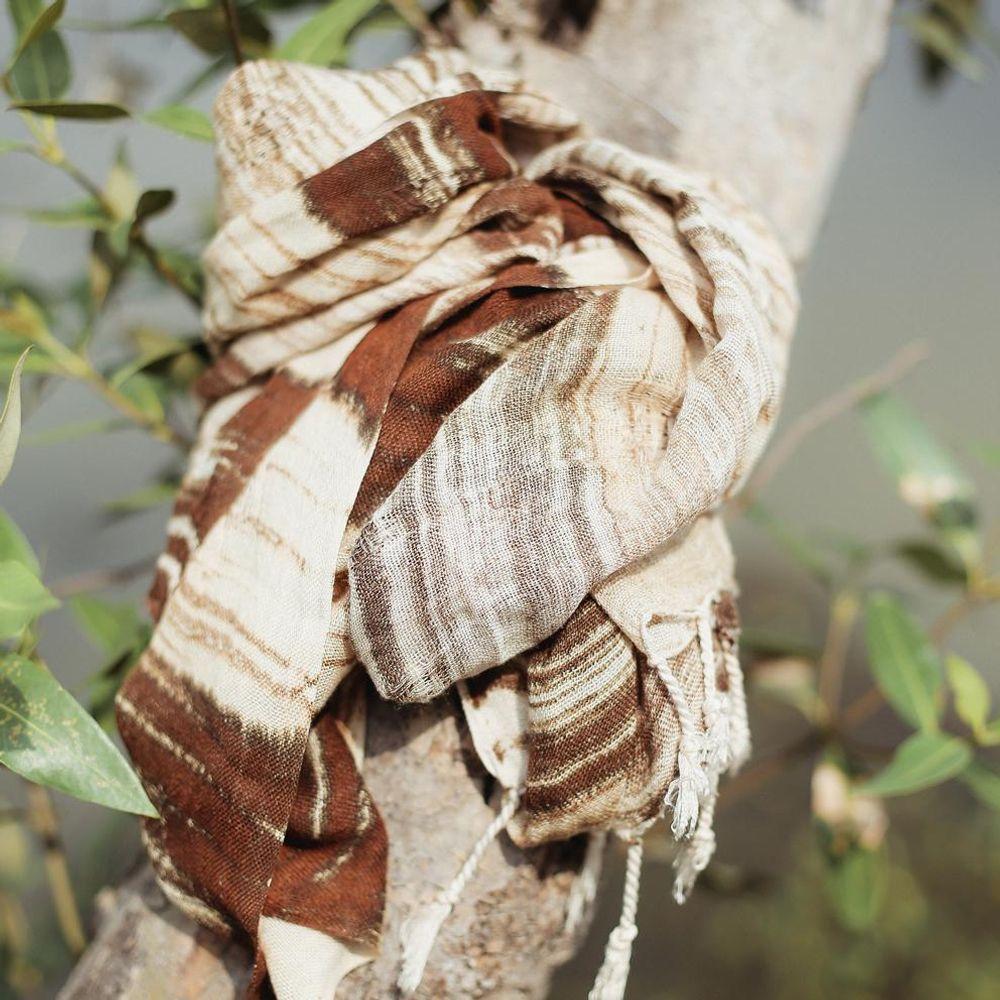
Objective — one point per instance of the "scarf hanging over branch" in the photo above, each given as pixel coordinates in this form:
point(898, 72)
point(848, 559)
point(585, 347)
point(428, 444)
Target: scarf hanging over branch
point(469, 420)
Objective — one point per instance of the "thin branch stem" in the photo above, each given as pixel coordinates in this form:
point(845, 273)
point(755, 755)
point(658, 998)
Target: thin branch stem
point(102, 579)
point(233, 27)
point(844, 610)
point(763, 770)
point(137, 237)
point(826, 411)
point(42, 820)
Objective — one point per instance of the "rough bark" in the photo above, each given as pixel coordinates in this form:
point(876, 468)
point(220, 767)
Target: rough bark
point(762, 92)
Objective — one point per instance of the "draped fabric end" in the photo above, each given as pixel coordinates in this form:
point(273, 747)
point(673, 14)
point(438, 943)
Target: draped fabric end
point(470, 418)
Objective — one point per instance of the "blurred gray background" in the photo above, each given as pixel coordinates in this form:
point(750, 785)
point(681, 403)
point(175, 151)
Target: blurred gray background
point(910, 250)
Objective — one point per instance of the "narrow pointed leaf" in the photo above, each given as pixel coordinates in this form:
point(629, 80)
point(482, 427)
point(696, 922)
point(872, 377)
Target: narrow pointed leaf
point(39, 68)
point(971, 693)
point(935, 562)
point(856, 884)
point(904, 664)
point(322, 40)
point(183, 120)
point(206, 29)
point(112, 627)
point(77, 110)
point(86, 213)
point(47, 737)
point(984, 783)
point(152, 202)
point(45, 21)
point(923, 760)
point(926, 476)
point(149, 496)
point(23, 598)
point(14, 547)
point(10, 418)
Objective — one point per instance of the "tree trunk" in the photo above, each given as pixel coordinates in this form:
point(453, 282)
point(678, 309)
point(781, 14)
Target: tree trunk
point(761, 92)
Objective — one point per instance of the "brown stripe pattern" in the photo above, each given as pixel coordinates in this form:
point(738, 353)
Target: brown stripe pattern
point(466, 423)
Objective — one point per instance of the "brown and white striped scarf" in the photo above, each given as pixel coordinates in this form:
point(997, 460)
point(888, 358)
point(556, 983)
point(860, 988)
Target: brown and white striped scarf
point(480, 383)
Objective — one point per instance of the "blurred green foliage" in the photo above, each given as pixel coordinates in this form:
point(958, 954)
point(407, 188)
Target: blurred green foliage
point(853, 914)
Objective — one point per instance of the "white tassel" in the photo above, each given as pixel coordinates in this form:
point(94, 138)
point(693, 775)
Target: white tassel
point(583, 891)
point(689, 789)
point(420, 929)
point(739, 738)
point(613, 973)
point(691, 784)
point(717, 738)
point(694, 855)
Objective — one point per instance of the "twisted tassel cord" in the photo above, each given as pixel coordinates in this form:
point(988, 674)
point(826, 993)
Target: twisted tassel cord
point(694, 855)
point(691, 785)
point(613, 973)
point(420, 930)
point(739, 724)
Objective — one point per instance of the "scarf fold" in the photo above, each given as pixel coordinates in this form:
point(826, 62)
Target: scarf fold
point(468, 422)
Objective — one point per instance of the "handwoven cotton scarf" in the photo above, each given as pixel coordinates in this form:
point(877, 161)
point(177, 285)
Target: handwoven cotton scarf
point(480, 383)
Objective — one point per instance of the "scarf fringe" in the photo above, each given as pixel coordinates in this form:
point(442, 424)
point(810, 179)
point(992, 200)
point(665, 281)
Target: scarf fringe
point(613, 973)
point(694, 854)
point(702, 757)
point(420, 930)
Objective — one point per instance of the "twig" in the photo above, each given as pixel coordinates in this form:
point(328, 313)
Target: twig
point(102, 579)
point(233, 27)
point(829, 409)
point(843, 614)
point(42, 820)
point(761, 771)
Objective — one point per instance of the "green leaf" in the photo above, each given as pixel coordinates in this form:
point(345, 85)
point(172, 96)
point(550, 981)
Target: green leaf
point(45, 21)
point(40, 67)
point(10, 418)
point(934, 561)
point(113, 627)
point(856, 883)
point(322, 40)
point(78, 110)
point(923, 760)
point(151, 203)
point(926, 476)
point(905, 666)
point(76, 430)
point(121, 189)
point(972, 695)
point(142, 391)
point(14, 547)
point(148, 496)
point(984, 783)
point(86, 213)
point(206, 29)
point(183, 120)
point(770, 642)
point(49, 738)
point(23, 598)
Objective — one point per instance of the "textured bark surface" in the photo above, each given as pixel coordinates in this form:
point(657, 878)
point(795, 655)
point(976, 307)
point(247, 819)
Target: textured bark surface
point(762, 92)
